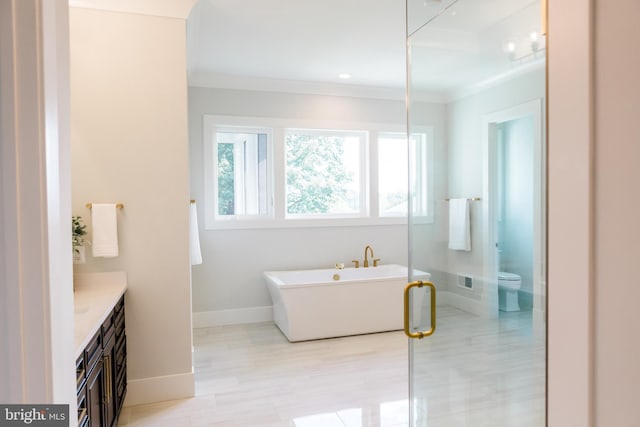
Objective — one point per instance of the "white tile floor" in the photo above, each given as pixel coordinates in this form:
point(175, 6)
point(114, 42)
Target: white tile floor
point(470, 373)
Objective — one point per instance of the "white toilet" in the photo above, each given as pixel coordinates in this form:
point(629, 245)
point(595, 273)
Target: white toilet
point(508, 286)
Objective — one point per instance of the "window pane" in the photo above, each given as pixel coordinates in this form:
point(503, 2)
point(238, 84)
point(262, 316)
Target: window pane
point(226, 179)
point(323, 172)
point(242, 173)
point(420, 174)
point(392, 178)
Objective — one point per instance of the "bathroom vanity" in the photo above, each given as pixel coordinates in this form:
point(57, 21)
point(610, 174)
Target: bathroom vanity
point(100, 347)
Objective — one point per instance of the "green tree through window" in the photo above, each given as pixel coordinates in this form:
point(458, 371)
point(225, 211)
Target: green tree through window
point(226, 174)
point(316, 174)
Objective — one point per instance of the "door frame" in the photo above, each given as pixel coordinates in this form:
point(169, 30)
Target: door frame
point(490, 121)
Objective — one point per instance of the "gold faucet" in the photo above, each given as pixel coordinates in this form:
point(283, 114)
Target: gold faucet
point(366, 260)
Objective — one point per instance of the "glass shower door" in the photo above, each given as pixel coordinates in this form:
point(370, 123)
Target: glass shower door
point(476, 97)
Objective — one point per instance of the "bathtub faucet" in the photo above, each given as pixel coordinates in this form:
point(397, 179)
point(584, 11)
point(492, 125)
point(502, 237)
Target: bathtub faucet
point(366, 260)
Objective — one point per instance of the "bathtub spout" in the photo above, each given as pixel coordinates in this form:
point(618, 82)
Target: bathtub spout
point(366, 260)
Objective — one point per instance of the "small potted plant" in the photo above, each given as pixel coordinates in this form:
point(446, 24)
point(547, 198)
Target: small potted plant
point(78, 231)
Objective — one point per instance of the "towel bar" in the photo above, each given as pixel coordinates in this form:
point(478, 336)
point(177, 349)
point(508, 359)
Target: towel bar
point(471, 199)
point(118, 205)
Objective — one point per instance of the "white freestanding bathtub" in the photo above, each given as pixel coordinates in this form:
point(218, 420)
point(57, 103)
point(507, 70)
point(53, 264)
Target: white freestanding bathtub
point(314, 304)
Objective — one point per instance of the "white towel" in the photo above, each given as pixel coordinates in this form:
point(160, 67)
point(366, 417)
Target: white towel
point(194, 236)
point(459, 225)
point(105, 230)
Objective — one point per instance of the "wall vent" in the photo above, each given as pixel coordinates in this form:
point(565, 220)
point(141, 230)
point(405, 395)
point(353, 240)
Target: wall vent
point(465, 281)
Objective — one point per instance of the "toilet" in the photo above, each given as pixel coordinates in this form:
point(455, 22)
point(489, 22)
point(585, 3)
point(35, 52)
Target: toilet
point(508, 286)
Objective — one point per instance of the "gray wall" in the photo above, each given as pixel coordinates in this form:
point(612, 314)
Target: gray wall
point(234, 260)
point(465, 151)
point(231, 274)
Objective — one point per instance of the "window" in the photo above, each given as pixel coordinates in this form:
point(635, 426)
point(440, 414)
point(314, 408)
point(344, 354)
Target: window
point(266, 172)
point(241, 172)
point(421, 175)
point(392, 183)
point(325, 173)
point(393, 152)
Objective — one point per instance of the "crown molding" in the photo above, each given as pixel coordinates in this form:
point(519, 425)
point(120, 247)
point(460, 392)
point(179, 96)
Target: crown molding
point(163, 8)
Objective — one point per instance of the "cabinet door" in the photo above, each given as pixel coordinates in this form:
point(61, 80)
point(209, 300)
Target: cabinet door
point(83, 409)
point(95, 395)
point(109, 383)
point(120, 368)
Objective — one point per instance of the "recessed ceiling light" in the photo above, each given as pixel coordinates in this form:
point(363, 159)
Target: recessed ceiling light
point(344, 75)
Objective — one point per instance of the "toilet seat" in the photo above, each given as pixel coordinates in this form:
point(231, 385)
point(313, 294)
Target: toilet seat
point(508, 276)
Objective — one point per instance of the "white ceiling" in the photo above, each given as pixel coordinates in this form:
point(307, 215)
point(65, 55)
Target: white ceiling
point(298, 40)
point(466, 45)
point(288, 43)
point(302, 45)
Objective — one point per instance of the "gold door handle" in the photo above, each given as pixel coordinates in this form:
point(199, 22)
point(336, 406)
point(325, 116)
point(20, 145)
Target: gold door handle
point(106, 362)
point(407, 326)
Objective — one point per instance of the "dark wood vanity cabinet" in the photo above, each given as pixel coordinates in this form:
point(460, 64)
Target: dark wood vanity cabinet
point(96, 395)
point(81, 386)
point(119, 357)
point(101, 373)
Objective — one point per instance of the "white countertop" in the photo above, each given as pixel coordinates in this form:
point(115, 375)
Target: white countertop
point(95, 296)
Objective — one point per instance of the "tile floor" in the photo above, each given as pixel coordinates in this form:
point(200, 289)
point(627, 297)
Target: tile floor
point(470, 373)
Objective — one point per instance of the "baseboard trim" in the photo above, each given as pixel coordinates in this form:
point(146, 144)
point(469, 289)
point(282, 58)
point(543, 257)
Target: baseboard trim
point(238, 316)
point(465, 304)
point(159, 389)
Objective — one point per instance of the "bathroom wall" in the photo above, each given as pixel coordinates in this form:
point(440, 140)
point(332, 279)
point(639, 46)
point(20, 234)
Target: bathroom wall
point(37, 360)
point(593, 211)
point(465, 167)
point(229, 286)
point(615, 154)
point(429, 241)
point(129, 145)
point(516, 227)
point(583, 368)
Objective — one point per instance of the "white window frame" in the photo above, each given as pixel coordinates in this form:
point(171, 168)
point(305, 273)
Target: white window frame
point(241, 158)
point(212, 125)
point(277, 174)
point(427, 179)
point(426, 184)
